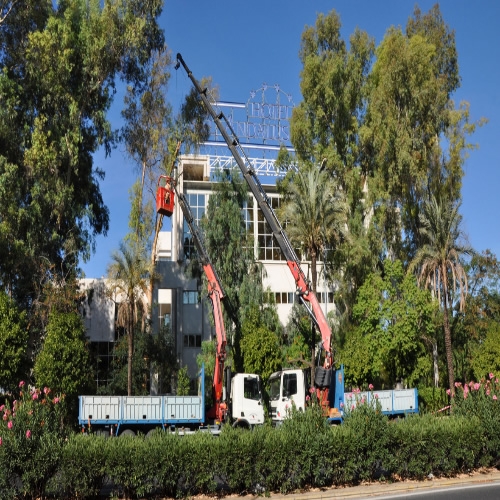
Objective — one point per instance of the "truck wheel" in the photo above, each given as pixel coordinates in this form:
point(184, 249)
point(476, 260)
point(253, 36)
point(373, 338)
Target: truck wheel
point(242, 425)
point(127, 432)
point(151, 433)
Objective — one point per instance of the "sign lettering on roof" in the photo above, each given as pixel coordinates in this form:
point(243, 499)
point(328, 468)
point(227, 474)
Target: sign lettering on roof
point(263, 122)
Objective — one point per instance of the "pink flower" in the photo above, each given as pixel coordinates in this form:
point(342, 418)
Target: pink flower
point(46, 390)
point(10, 424)
point(477, 386)
point(362, 400)
point(448, 391)
point(488, 392)
point(0, 440)
point(494, 397)
point(21, 384)
point(311, 390)
point(376, 396)
point(28, 434)
point(56, 400)
point(5, 416)
point(491, 376)
point(341, 404)
point(2, 407)
point(35, 396)
point(308, 398)
point(370, 387)
point(458, 384)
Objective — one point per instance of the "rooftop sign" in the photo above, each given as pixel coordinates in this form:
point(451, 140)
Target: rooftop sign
point(263, 122)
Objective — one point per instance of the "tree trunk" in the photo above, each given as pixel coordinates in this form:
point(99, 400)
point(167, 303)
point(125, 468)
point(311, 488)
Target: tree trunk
point(314, 277)
point(447, 336)
point(435, 363)
point(130, 342)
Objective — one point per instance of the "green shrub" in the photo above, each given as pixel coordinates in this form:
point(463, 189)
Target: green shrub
point(423, 445)
point(367, 438)
point(82, 470)
point(431, 399)
point(239, 459)
point(481, 400)
point(32, 436)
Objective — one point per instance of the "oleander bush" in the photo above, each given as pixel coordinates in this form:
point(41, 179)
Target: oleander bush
point(481, 400)
point(32, 437)
point(305, 452)
point(441, 446)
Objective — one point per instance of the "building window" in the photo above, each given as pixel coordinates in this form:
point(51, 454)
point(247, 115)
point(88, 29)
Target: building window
point(192, 340)
point(102, 354)
point(197, 203)
point(284, 297)
point(248, 207)
point(325, 295)
point(191, 297)
point(165, 314)
point(267, 247)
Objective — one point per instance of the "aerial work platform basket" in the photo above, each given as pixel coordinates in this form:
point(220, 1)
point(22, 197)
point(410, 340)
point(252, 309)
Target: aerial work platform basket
point(165, 196)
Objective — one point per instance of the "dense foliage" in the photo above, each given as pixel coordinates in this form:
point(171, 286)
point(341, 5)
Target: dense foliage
point(59, 62)
point(305, 452)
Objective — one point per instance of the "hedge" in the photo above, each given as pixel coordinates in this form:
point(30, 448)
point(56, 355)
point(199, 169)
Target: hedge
point(305, 452)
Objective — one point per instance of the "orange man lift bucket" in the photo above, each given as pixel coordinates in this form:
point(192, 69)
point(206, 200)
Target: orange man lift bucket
point(165, 196)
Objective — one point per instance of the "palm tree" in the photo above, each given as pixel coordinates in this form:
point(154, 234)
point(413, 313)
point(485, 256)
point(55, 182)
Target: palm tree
point(439, 263)
point(128, 276)
point(314, 213)
point(315, 216)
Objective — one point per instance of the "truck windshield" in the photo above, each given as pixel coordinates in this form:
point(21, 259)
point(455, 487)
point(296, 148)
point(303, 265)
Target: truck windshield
point(251, 388)
point(274, 388)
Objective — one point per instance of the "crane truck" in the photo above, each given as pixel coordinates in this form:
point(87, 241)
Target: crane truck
point(292, 387)
point(237, 401)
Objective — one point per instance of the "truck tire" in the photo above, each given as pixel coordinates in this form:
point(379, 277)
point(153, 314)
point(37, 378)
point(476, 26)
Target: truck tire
point(127, 432)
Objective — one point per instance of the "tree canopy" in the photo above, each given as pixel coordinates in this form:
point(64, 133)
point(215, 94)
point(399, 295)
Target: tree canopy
point(58, 66)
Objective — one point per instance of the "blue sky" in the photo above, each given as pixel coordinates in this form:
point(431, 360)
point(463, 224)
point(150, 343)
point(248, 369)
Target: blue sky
point(244, 44)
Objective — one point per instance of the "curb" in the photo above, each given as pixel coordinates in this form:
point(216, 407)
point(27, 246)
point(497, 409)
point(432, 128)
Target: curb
point(378, 489)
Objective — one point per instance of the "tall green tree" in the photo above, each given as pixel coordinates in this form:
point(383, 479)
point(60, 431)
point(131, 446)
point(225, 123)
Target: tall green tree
point(260, 346)
point(439, 263)
point(315, 217)
point(325, 130)
point(225, 240)
point(59, 62)
point(414, 137)
point(394, 316)
point(13, 343)
point(63, 364)
point(149, 138)
point(478, 327)
point(128, 276)
point(314, 213)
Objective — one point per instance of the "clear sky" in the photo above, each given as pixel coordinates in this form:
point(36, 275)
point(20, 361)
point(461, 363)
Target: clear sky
point(244, 44)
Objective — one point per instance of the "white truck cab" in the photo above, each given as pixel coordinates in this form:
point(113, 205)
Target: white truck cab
point(287, 389)
point(246, 404)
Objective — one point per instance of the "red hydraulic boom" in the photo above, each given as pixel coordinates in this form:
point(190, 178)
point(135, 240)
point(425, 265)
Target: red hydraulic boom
point(216, 294)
